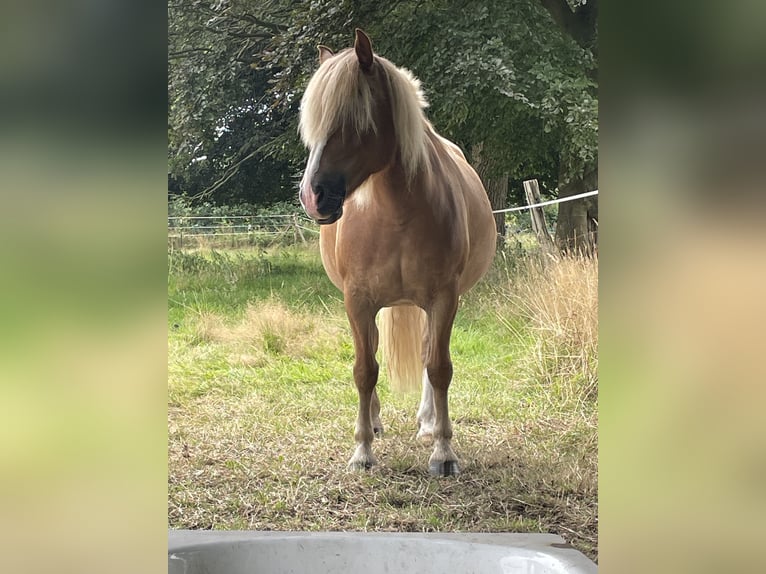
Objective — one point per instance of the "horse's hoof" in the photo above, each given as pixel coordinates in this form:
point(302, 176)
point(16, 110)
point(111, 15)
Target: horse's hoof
point(444, 468)
point(378, 432)
point(360, 465)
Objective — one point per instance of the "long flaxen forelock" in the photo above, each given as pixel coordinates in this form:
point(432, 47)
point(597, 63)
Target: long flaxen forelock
point(339, 94)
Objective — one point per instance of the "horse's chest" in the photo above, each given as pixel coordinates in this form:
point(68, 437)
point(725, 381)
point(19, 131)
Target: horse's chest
point(395, 271)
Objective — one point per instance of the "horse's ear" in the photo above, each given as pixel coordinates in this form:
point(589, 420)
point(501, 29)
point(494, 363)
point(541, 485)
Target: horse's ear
point(363, 49)
point(324, 53)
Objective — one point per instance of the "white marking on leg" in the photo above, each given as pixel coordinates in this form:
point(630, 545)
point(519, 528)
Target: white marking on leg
point(364, 435)
point(363, 459)
point(426, 413)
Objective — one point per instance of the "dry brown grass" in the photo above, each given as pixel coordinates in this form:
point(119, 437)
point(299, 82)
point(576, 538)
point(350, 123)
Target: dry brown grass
point(252, 465)
point(559, 297)
point(267, 328)
point(262, 409)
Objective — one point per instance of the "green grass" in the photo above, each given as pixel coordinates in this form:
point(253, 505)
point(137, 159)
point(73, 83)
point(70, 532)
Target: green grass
point(262, 409)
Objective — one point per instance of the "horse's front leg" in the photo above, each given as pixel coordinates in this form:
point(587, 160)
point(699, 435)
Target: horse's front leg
point(361, 316)
point(443, 461)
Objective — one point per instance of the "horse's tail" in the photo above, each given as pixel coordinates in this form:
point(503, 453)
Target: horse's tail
point(401, 336)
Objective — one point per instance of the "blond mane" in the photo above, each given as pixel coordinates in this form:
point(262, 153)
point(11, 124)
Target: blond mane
point(339, 94)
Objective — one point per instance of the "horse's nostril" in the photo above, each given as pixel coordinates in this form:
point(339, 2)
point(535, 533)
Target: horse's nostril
point(319, 192)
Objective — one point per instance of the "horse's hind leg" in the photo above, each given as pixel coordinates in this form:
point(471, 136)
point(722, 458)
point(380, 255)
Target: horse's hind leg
point(426, 416)
point(377, 424)
point(443, 461)
point(361, 316)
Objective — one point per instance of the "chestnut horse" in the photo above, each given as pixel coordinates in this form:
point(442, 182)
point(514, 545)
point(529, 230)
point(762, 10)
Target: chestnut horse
point(406, 227)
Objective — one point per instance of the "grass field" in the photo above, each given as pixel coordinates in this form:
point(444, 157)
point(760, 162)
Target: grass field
point(261, 404)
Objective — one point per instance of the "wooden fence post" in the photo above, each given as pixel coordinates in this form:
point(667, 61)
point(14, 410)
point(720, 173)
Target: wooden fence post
point(297, 230)
point(532, 191)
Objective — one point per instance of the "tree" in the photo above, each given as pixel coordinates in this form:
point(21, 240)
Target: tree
point(503, 80)
point(577, 225)
point(222, 126)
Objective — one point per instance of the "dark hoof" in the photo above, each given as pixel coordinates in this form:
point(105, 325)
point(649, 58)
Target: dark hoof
point(378, 432)
point(445, 468)
point(360, 466)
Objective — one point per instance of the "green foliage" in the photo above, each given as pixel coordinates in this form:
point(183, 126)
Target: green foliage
point(501, 74)
point(220, 122)
point(183, 206)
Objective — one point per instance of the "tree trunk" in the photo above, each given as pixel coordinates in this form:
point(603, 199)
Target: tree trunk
point(497, 190)
point(537, 215)
point(577, 225)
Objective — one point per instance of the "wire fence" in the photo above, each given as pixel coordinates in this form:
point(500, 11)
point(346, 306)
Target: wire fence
point(193, 231)
point(190, 231)
point(550, 202)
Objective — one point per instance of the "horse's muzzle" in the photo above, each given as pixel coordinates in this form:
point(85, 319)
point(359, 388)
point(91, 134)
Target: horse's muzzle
point(323, 196)
point(332, 219)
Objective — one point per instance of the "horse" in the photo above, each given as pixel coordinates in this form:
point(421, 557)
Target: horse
point(406, 227)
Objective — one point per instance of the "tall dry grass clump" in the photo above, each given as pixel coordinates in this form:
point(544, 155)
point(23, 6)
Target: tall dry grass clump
point(266, 328)
point(559, 298)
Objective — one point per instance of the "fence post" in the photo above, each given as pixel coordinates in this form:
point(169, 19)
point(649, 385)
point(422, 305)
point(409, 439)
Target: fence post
point(297, 230)
point(539, 226)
